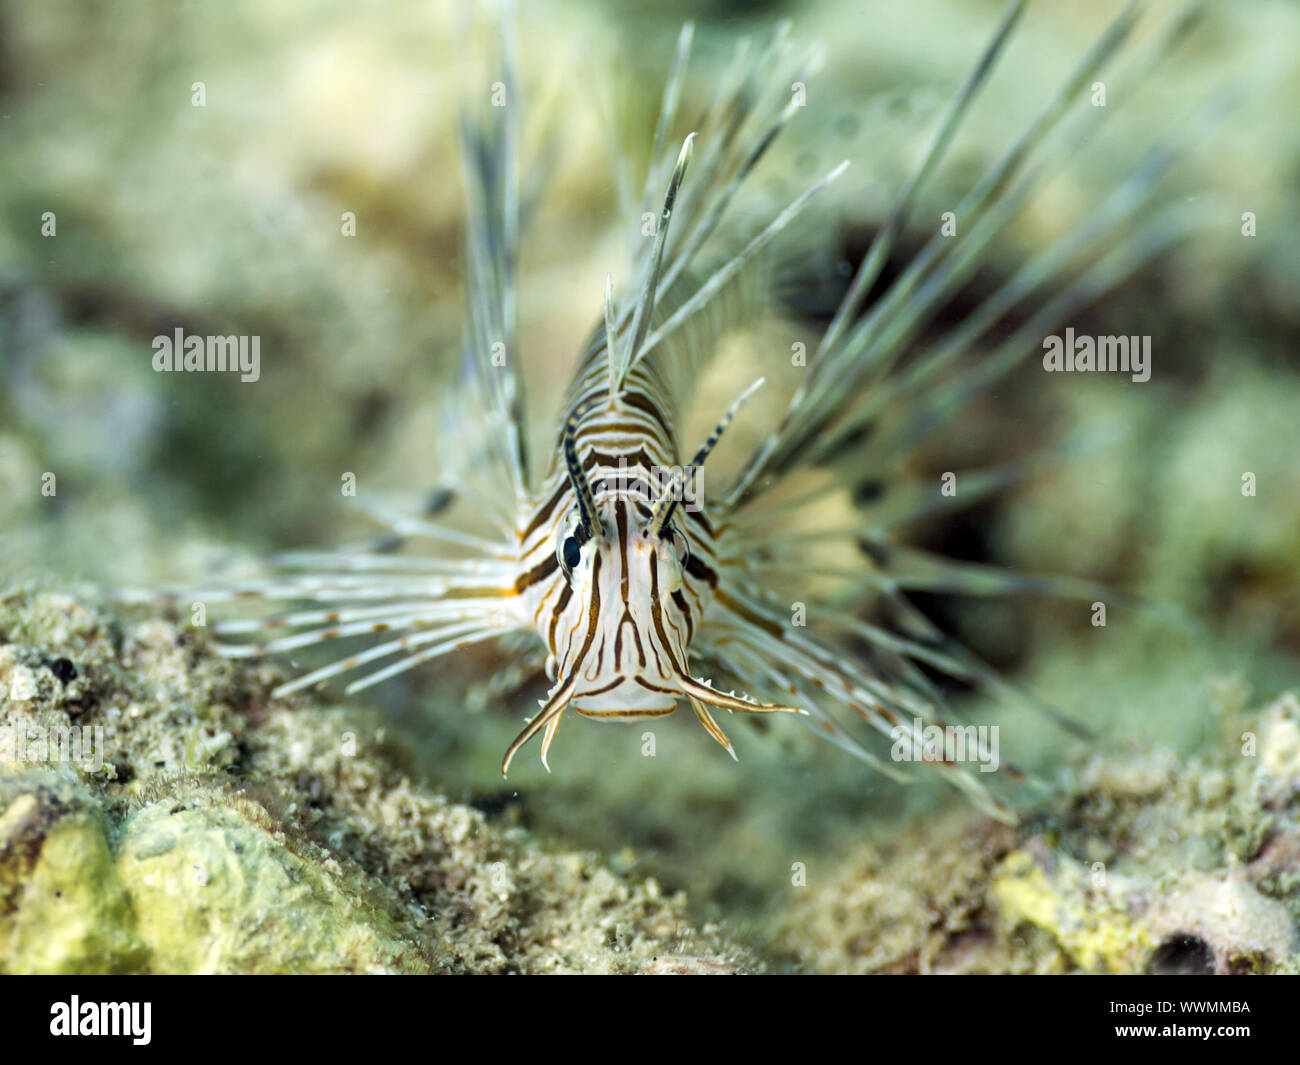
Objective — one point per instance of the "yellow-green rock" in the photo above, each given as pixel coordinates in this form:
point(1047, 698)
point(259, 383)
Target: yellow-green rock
point(68, 913)
point(215, 892)
point(1083, 910)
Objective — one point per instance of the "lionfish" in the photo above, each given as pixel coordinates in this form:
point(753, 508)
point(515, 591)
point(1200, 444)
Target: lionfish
point(639, 593)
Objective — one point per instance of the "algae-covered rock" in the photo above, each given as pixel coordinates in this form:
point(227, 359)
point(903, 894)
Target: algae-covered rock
point(216, 892)
point(63, 908)
point(1202, 923)
point(895, 907)
point(206, 827)
point(1139, 863)
point(1088, 914)
point(201, 826)
point(1227, 921)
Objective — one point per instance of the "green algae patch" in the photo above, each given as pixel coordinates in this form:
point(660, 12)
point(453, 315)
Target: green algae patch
point(203, 888)
point(1084, 911)
point(65, 909)
point(215, 892)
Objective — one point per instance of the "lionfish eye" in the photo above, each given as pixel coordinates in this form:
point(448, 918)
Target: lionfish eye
point(570, 553)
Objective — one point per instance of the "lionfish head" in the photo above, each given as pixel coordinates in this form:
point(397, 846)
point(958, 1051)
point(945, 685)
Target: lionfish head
point(619, 630)
point(625, 633)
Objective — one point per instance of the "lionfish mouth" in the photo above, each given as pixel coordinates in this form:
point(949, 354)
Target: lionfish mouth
point(632, 697)
point(628, 697)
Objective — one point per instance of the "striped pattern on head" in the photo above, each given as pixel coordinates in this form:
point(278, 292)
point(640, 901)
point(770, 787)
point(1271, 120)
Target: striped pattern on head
point(617, 560)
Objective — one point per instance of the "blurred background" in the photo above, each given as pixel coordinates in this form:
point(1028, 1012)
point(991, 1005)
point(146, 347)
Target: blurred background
point(226, 219)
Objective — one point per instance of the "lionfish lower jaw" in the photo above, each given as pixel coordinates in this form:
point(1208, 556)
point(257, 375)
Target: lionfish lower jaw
point(698, 691)
point(627, 696)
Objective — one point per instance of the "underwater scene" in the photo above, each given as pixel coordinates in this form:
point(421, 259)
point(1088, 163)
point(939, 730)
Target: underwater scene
point(804, 487)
